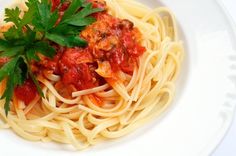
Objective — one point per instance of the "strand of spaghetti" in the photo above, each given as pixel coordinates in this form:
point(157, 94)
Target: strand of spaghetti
point(121, 90)
point(58, 136)
point(124, 120)
point(81, 124)
point(170, 68)
point(164, 52)
point(146, 111)
point(166, 10)
point(58, 110)
point(145, 61)
point(73, 124)
point(52, 99)
point(19, 111)
point(43, 123)
point(177, 64)
point(4, 124)
point(72, 138)
point(161, 26)
point(133, 126)
point(72, 115)
point(54, 92)
point(55, 109)
point(137, 9)
point(20, 131)
point(110, 93)
point(99, 109)
point(140, 113)
point(90, 91)
point(101, 127)
point(111, 114)
point(96, 121)
point(133, 80)
point(38, 111)
point(31, 105)
point(47, 117)
point(50, 76)
point(153, 92)
point(30, 128)
point(20, 114)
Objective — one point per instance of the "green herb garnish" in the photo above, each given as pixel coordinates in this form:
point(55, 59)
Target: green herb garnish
point(32, 34)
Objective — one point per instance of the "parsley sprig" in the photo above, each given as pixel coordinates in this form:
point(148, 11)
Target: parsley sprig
point(33, 34)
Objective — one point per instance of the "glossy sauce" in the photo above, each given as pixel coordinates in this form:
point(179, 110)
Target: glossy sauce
point(109, 39)
point(27, 92)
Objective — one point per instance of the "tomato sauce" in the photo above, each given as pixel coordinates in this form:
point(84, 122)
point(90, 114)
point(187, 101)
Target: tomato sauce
point(26, 92)
point(110, 39)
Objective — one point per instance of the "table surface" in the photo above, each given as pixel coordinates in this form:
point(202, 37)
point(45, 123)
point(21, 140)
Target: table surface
point(228, 145)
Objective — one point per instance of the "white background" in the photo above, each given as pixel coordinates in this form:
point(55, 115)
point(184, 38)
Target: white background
point(228, 146)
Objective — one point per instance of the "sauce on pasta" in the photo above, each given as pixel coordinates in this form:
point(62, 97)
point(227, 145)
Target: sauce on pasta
point(113, 45)
point(122, 79)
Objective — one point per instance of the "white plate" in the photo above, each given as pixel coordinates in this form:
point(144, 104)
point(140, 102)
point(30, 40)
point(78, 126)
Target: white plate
point(205, 100)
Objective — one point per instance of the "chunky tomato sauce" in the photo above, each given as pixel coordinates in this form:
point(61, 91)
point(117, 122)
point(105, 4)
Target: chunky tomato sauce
point(110, 39)
point(27, 92)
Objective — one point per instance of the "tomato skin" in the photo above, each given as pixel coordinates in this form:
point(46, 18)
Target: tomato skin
point(116, 58)
point(96, 100)
point(98, 3)
point(71, 76)
point(26, 92)
point(55, 4)
point(80, 76)
point(74, 56)
point(76, 68)
point(128, 66)
point(52, 64)
point(115, 40)
point(127, 40)
point(4, 60)
point(64, 6)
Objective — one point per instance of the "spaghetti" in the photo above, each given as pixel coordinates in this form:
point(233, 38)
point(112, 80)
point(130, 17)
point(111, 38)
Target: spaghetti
point(110, 109)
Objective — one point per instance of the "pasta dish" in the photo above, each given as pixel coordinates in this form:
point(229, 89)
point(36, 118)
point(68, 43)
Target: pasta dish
point(83, 71)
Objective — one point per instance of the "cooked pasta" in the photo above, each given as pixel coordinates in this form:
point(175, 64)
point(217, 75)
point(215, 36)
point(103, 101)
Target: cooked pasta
point(116, 107)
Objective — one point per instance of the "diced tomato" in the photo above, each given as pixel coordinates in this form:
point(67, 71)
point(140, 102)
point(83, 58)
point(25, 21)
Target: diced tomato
point(86, 78)
point(112, 81)
point(138, 50)
point(98, 3)
point(128, 66)
point(55, 4)
point(3, 60)
point(134, 49)
point(116, 58)
point(71, 76)
point(65, 91)
point(85, 74)
point(96, 100)
point(127, 40)
point(52, 64)
point(26, 92)
point(64, 6)
point(80, 76)
point(73, 56)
